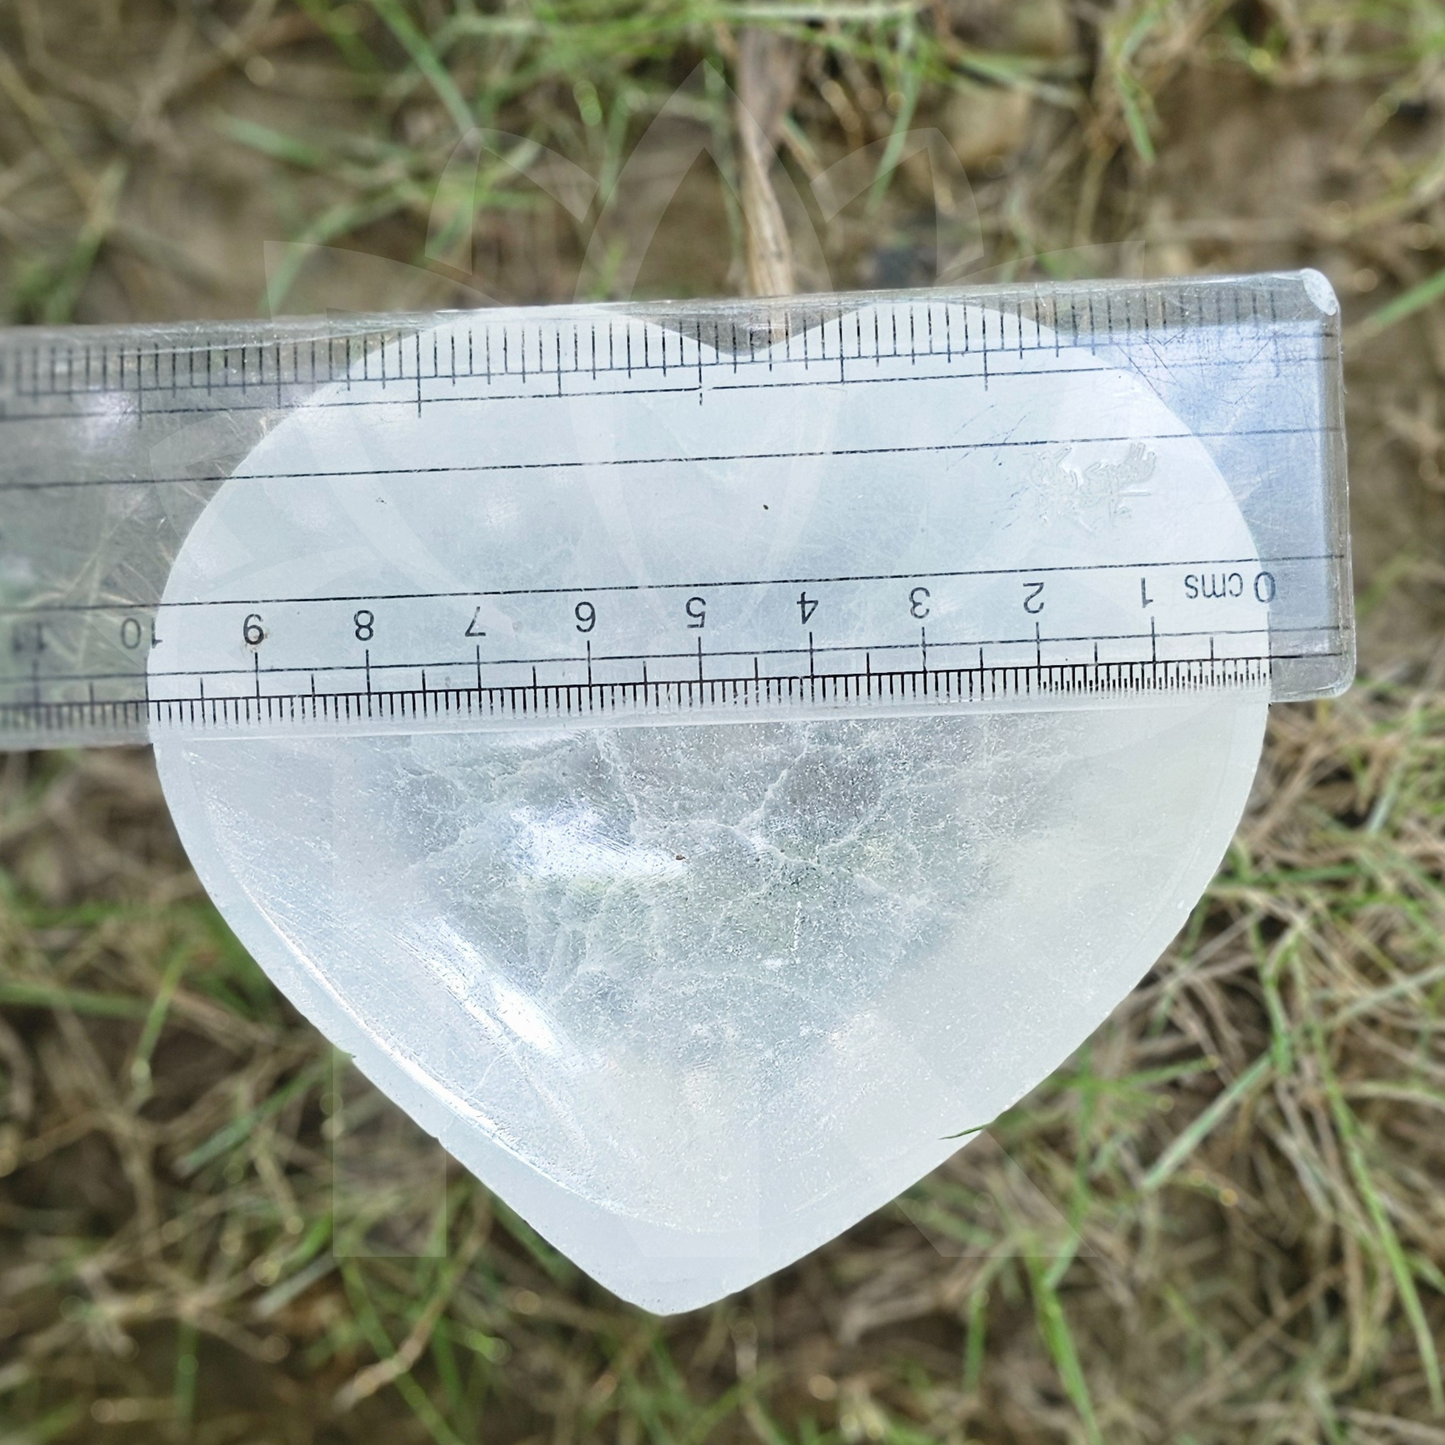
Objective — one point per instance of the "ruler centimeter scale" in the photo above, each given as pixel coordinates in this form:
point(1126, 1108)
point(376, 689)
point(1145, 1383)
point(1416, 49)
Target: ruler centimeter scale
point(1044, 496)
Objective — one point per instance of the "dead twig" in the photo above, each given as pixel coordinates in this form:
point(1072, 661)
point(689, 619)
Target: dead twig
point(767, 73)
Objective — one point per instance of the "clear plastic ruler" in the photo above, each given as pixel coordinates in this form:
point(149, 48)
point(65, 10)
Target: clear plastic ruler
point(1073, 495)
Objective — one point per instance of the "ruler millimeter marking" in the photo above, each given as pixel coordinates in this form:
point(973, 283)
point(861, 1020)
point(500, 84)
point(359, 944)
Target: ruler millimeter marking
point(340, 362)
point(747, 698)
point(913, 502)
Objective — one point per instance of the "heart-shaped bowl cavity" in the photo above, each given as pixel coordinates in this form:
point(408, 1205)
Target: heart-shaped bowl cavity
point(695, 999)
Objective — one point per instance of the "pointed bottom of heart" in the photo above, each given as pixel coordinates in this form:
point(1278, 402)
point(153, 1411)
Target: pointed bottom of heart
point(693, 1000)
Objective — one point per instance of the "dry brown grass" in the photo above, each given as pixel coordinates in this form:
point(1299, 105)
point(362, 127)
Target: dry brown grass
point(1222, 1221)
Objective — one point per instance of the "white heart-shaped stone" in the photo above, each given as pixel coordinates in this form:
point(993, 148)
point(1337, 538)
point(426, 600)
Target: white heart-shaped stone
point(693, 999)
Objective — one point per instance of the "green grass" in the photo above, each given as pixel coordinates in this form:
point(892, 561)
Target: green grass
point(1218, 1223)
point(1225, 1202)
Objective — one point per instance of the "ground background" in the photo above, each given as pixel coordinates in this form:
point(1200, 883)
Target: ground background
point(1223, 1221)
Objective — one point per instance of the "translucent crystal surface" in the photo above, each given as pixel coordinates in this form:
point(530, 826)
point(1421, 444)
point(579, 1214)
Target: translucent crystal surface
point(695, 998)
